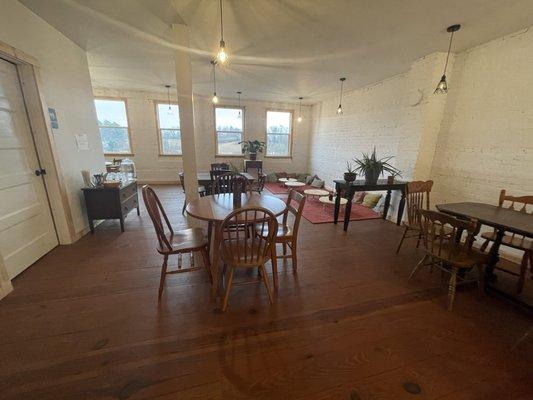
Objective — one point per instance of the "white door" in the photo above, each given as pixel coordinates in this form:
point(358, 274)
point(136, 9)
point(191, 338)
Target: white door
point(27, 230)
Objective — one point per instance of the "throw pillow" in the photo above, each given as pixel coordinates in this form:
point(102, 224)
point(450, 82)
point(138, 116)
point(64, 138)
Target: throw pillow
point(371, 199)
point(301, 178)
point(281, 174)
point(317, 183)
point(272, 177)
point(309, 179)
point(358, 197)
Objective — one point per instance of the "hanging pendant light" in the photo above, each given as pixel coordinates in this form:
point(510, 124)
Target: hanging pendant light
point(222, 56)
point(240, 114)
point(215, 98)
point(169, 111)
point(339, 109)
point(300, 113)
point(442, 87)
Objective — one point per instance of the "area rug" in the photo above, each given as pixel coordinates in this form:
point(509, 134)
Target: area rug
point(276, 188)
point(316, 213)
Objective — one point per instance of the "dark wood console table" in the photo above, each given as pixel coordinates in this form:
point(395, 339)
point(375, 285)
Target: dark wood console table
point(350, 188)
point(111, 203)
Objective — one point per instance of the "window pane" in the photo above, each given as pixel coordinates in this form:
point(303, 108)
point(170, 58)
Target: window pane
point(278, 145)
point(111, 112)
point(169, 116)
point(228, 119)
point(171, 141)
point(278, 122)
point(228, 143)
point(115, 139)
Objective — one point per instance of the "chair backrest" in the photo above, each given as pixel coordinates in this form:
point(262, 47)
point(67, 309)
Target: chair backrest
point(219, 167)
point(295, 206)
point(417, 199)
point(240, 247)
point(260, 185)
point(156, 211)
point(523, 204)
point(229, 181)
point(441, 234)
point(182, 181)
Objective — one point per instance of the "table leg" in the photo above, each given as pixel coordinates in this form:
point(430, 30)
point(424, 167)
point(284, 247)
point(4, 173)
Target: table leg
point(215, 259)
point(348, 210)
point(337, 206)
point(386, 205)
point(401, 206)
point(494, 257)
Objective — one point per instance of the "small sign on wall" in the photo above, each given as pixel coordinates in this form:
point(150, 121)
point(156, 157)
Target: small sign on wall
point(53, 118)
point(82, 142)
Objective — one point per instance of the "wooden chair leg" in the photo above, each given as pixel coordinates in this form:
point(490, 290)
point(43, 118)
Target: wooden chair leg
point(184, 206)
point(523, 271)
point(531, 262)
point(480, 279)
point(484, 246)
point(451, 288)
point(228, 289)
point(163, 276)
point(207, 264)
point(267, 284)
point(284, 248)
point(294, 256)
point(418, 240)
point(274, 261)
point(412, 274)
point(401, 241)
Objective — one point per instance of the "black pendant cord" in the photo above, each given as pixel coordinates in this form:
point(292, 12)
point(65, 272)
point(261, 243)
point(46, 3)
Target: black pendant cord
point(168, 95)
point(448, 55)
point(221, 24)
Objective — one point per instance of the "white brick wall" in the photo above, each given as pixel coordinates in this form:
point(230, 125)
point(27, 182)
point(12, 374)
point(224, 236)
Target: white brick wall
point(154, 168)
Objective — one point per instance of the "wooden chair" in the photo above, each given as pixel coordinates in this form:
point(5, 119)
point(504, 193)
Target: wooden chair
point(170, 242)
point(512, 240)
point(201, 191)
point(417, 198)
point(229, 181)
point(219, 167)
point(238, 249)
point(287, 234)
point(441, 238)
point(259, 184)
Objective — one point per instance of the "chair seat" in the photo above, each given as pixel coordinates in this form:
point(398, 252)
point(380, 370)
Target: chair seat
point(185, 240)
point(284, 231)
point(516, 242)
point(241, 249)
point(462, 259)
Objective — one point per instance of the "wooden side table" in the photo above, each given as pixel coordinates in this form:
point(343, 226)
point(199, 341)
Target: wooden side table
point(111, 203)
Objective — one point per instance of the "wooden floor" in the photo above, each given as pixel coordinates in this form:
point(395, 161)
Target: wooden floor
point(84, 323)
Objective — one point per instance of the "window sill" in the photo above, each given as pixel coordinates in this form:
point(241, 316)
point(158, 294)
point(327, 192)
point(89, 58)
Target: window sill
point(170, 155)
point(118, 154)
point(278, 156)
point(229, 156)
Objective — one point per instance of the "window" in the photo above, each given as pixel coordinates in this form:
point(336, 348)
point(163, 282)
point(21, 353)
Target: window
point(168, 128)
point(229, 130)
point(279, 126)
point(113, 124)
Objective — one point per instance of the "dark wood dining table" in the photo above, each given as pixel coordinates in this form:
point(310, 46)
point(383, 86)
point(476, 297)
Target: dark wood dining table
point(204, 178)
point(501, 219)
point(215, 208)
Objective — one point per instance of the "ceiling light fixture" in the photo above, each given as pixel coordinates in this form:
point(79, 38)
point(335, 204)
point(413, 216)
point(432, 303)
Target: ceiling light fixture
point(300, 113)
point(215, 98)
point(339, 109)
point(169, 111)
point(222, 56)
point(442, 87)
point(240, 115)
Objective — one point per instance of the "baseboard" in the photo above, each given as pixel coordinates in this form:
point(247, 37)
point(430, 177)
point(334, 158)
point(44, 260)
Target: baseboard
point(85, 231)
point(158, 182)
point(5, 288)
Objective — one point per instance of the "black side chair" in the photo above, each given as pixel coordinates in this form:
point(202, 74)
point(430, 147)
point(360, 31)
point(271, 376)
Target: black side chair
point(201, 191)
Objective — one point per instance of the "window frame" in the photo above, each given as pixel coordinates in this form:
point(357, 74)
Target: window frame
point(291, 132)
point(158, 128)
point(125, 100)
point(243, 133)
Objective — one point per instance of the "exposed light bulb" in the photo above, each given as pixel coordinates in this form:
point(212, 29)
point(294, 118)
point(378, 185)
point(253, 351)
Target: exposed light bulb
point(300, 118)
point(339, 110)
point(169, 111)
point(222, 56)
point(215, 98)
point(442, 87)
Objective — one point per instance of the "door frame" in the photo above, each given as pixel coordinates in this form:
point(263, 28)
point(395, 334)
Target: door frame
point(30, 81)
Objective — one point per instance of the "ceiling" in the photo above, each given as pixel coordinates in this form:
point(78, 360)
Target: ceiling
point(279, 49)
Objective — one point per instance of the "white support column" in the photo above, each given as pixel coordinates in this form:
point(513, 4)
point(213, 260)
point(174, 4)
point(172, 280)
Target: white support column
point(186, 111)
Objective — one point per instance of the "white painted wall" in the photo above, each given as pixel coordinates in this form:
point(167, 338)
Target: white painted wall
point(154, 168)
point(66, 86)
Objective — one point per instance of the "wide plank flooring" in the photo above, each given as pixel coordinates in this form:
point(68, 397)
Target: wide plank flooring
point(84, 323)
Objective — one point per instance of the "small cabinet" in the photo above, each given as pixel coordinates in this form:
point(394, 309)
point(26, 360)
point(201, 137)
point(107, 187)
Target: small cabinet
point(111, 203)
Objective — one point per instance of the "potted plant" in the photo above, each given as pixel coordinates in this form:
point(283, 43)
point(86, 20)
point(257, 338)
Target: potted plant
point(372, 167)
point(252, 147)
point(349, 175)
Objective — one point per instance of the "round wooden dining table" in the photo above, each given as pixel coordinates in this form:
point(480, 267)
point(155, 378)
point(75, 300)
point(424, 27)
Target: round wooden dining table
point(216, 208)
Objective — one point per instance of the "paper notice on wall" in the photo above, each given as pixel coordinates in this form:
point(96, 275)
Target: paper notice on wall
point(82, 142)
